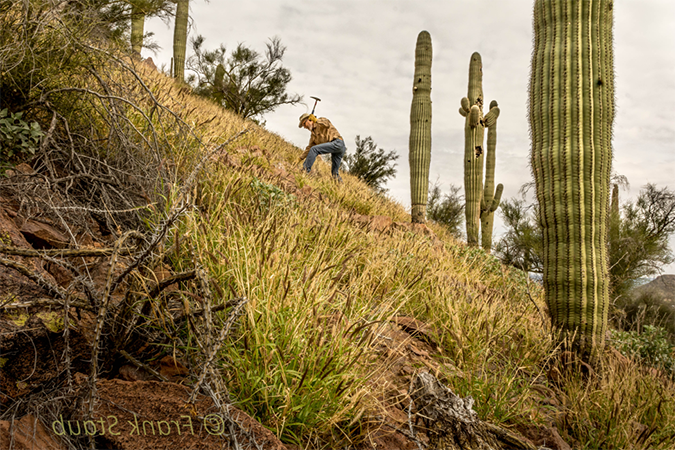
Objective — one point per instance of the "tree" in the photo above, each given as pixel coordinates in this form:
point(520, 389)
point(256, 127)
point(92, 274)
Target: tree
point(372, 165)
point(637, 241)
point(446, 209)
point(521, 245)
point(639, 247)
point(244, 82)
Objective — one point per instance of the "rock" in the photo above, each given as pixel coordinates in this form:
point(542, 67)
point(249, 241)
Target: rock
point(172, 368)
point(415, 328)
point(42, 235)
point(452, 424)
point(380, 223)
point(545, 437)
point(29, 434)
point(149, 415)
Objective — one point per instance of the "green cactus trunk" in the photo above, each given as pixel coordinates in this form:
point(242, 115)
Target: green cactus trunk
point(419, 156)
point(481, 200)
point(491, 197)
point(137, 29)
point(474, 131)
point(571, 114)
point(180, 39)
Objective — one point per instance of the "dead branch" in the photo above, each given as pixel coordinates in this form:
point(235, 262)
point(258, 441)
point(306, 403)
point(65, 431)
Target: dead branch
point(46, 302)
point(63, 253)
point(451, 422)
point(35, 277)
point(143, 366)
point(183, 276)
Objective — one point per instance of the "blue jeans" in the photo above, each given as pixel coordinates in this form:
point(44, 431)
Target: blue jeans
point(336, 148)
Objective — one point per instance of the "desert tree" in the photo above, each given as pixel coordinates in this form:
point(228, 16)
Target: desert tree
point(373, 165)
point(245, 82)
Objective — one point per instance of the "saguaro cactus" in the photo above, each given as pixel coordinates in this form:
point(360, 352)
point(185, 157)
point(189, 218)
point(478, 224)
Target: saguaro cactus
point(137, 28)
point(419, 153)
point(481, 203)
point(180, 38)
point(571, 115)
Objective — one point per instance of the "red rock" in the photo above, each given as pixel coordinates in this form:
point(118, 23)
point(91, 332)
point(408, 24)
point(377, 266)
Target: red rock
point(28, 434)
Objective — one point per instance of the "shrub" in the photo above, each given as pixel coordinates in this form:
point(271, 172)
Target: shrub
point(651, 347)
point(18, 138)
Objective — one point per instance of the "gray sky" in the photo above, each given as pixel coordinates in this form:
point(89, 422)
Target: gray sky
point(358, 57)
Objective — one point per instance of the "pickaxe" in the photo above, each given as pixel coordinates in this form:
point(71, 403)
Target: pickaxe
point(316, 99)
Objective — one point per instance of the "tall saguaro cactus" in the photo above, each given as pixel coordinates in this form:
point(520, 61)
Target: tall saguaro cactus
point(571, 115)
point(481, 202)
point(419, 152)
point(180, 38)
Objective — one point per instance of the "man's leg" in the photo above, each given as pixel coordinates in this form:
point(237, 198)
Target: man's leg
point(336, 160)
point(335, 146)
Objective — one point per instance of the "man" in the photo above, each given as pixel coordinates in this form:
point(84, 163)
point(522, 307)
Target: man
point(325, 138)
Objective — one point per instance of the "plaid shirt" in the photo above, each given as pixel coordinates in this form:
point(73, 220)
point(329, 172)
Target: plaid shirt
point(323, 132)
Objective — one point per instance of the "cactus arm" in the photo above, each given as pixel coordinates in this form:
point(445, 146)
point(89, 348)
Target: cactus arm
point(571, 114)
point(491, 196)
point(497, 198)
point(419, 153)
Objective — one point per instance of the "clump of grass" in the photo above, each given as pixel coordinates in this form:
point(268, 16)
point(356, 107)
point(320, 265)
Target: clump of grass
point(619, 406)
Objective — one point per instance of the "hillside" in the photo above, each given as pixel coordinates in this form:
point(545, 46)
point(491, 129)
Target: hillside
point(166, 264)
point(662, 286)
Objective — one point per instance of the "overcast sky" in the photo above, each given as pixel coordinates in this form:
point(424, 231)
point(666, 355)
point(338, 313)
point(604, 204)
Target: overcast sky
point(358, 57)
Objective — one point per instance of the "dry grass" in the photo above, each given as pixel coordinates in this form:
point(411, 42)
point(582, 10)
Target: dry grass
point(319, 284)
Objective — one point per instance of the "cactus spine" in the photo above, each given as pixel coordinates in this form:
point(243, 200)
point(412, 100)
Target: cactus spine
point(419, 153)
point(481, 202)
point(571, 114)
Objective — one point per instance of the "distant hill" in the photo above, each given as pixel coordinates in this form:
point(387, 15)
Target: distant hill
point(662, 286)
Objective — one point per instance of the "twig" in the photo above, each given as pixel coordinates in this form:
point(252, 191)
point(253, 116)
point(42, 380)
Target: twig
point(183, 276)
point(410, 425)
point(143, 366)
point(46, 302)
point(35, 277)
point(212, 352)
point(63, 253)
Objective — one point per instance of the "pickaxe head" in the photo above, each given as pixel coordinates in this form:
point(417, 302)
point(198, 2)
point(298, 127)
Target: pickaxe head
point(316, 99)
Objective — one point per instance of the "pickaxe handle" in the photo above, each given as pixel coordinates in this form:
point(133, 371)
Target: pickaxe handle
point(316, 99)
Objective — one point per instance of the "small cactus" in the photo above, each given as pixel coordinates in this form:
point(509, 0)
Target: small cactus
point(419, 156)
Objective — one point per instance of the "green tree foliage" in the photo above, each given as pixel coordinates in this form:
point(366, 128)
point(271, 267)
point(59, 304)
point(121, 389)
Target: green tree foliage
point(372, 165)
point(640, 246)
point(521, 245)
point(637, 248)
point(446, 209)
point(244, 82)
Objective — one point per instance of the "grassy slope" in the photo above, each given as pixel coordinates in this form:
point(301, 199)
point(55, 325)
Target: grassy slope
point(320, 285)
